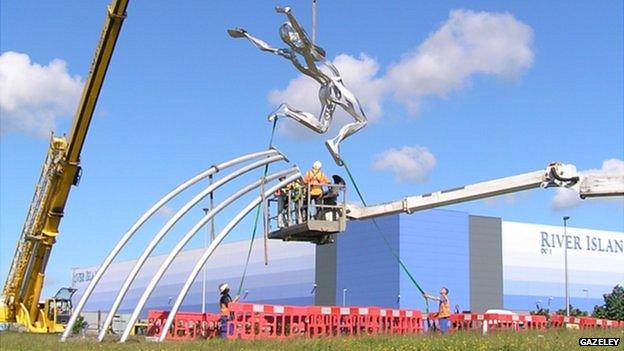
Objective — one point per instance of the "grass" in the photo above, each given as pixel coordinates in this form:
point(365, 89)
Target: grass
point(551, 340)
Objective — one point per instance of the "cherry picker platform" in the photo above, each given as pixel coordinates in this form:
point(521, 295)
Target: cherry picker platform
point(295, 215)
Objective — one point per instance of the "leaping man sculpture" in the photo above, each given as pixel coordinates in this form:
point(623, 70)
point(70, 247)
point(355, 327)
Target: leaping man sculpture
point(332, 92)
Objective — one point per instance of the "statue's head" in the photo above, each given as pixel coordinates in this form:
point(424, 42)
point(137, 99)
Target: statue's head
point(290, 36)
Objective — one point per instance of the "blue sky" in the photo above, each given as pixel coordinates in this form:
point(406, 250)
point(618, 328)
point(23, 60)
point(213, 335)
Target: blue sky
point(181, 95)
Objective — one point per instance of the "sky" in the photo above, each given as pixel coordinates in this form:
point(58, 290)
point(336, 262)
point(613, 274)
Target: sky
point(456, 92)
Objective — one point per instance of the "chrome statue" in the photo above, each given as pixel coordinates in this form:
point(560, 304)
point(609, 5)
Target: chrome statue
point(332, 92)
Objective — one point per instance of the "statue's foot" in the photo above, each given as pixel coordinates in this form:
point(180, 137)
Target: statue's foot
point(280, 111)
point(335, 153)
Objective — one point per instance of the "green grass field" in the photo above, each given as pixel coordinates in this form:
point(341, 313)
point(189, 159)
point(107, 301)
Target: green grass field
point(552, 340)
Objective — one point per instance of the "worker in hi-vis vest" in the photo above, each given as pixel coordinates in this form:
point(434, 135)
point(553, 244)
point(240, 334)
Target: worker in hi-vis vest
point(315, 178)
point(224, 308)
point(444, 312)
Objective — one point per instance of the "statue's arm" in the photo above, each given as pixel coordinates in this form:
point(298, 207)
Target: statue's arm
point(317, 51)
point(295, 24)
point(259, 43)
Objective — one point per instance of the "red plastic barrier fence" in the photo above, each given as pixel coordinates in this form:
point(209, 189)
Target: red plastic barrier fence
point(467, 321)
point(476, 322)
point(534, 322)
point(584, 322)
point(556, 321)
point(257, 321)
point(495, 321)
point(186, 325)
point(252, 321)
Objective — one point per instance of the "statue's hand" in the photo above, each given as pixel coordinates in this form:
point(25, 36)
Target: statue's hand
point(237, 32)
point(280, 9)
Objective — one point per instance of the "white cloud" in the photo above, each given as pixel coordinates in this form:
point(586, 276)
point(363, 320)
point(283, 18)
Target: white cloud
point(565, 198)
point(165, 211)
point(568, 198)
point(468, 43)
point(32, 96)
point(409, 164)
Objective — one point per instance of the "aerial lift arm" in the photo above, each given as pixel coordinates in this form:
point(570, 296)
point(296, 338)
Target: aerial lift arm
point(331, 218)
point(555, 175)
point(61, 170)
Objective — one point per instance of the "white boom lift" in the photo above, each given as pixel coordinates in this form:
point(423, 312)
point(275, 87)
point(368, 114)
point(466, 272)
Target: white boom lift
point(301, 220)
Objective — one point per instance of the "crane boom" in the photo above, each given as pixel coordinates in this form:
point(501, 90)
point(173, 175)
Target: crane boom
point(61, 170)
point(555, 175)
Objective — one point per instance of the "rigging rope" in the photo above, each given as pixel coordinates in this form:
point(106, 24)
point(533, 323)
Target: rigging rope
point(396, 256)
point(313, 22)
point(255, 228)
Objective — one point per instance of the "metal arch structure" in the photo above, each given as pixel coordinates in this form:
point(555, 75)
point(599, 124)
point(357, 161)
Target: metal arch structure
point(215, 243)
point(189, 235)
point(147, 215)
point(165, 229)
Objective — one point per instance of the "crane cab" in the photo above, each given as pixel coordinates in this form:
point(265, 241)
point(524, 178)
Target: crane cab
point(294, 215)
point(58, 310)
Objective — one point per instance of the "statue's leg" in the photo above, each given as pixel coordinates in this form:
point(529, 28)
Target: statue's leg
point(349, 103)
point(307, 119)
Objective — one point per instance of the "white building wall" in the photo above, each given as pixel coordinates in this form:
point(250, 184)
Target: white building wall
point(533, 265)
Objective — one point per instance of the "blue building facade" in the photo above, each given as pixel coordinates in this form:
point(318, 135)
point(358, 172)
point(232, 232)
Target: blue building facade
point(365, 266)
point(485, 262)
point(434, 245)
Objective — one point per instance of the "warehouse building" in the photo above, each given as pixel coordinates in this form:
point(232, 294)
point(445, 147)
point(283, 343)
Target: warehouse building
point(486, 262)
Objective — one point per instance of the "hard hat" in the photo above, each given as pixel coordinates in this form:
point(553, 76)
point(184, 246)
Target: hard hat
point(317, 165)
point(223, 287)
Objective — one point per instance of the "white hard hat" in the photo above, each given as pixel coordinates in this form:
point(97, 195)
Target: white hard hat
point(223, 287)
point(317, 165)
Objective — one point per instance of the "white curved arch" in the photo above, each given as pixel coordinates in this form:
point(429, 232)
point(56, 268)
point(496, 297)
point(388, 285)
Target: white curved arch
point(226, 230)
point(165, 229)
point(144, 217)
point(189, 235)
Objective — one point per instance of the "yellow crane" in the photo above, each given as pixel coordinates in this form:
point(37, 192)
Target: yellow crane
point(19, 303)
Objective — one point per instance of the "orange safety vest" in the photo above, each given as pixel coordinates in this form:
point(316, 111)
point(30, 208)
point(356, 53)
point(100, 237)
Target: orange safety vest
point(315, 178)
point(444, 310)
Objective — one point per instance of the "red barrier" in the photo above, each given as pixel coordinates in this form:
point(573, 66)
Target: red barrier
point(496, 321)
point(279, 322)
point(556, 321)
point(257, 321)
point(467, 321)
point(571, 320)
point(535, 322)
point(186, 325)
point(588, 322)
